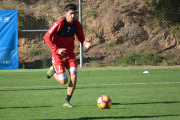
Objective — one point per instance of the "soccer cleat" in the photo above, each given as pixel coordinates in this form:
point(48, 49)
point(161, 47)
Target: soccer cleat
point(50, 72)
point(67, 104)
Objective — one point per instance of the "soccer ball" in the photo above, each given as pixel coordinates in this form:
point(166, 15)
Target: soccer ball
point(104, 102)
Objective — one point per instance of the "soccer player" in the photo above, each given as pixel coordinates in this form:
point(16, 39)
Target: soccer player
point(60, 38)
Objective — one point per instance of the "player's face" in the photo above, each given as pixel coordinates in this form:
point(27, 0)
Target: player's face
point(70, 15)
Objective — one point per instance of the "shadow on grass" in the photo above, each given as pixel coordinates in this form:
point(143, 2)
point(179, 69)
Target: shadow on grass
point(129, 117)
point(169, 102)
point(33, 89)
point(44, 89)
point(25, 107)
point(120, 117)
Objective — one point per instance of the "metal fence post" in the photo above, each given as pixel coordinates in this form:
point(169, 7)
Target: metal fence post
point(80, 20)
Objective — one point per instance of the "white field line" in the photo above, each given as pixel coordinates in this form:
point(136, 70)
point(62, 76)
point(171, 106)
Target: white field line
point(93, 85)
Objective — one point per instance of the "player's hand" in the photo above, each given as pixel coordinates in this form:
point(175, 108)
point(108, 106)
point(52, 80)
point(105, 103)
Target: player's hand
point(86, 44)
point(62, 51)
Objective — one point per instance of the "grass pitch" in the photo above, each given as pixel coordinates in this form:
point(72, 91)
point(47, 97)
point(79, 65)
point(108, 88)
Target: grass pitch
point(28, 94)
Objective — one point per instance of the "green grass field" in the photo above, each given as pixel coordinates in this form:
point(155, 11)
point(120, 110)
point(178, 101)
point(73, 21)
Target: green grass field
point(28, 94)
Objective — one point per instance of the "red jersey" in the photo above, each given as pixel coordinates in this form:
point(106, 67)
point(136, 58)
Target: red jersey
point(56, 41)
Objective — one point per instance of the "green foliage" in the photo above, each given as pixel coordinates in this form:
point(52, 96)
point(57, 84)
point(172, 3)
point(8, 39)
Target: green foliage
point(167, 11)
point(85, 27)
point(133, 59)
point(96, 63)
point(34, 51)
point(41, 54)
point(46, 7)
point(7, 7)
point(172, 59)
point(109, 45)
point(176, 31)
point(91, 13)
point(45, 55)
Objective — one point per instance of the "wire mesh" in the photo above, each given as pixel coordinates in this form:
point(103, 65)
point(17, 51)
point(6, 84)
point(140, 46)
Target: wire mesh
point(122, 32)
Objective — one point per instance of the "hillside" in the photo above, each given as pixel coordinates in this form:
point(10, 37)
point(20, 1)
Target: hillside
point(113, 27)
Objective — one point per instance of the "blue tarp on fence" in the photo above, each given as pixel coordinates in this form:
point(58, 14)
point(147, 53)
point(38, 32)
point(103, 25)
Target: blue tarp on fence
point(9, 40)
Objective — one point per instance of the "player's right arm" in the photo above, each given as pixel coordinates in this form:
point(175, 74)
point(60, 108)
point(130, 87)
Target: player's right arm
point(51, 33)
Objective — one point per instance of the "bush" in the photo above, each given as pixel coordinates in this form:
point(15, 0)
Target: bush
point(167, 11)
point(134, 59)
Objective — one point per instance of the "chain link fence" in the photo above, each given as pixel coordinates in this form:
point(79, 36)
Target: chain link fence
point(122, 32)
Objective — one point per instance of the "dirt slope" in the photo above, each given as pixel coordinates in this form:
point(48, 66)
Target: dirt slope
point(129, 25)
point(114, 27)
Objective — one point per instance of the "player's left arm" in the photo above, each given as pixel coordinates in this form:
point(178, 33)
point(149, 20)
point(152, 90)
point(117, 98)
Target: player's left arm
point(86, 44)
point(80, 35)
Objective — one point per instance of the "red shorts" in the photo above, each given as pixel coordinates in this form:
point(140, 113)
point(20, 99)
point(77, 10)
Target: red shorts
point(61, 62)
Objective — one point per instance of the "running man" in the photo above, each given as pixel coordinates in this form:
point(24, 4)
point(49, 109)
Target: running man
point(60, 39)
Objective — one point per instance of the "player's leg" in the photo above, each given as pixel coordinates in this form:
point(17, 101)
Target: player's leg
point(71, 87)
point(58, 71)
point(72, 68)
point(63, 80)
point(50, 72)
point(73, 79)
point(60, 75)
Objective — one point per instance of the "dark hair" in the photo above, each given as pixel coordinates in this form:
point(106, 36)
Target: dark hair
point(70, 7)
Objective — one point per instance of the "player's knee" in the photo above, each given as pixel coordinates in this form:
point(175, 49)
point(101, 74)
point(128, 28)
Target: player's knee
point(73, 76)
point(73, 80)
point(64, 81)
